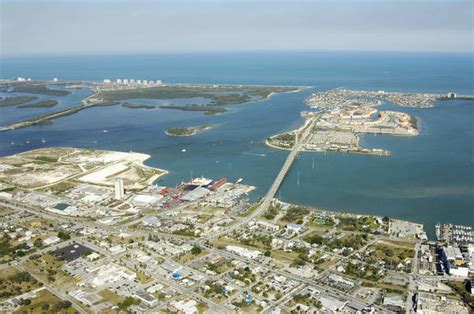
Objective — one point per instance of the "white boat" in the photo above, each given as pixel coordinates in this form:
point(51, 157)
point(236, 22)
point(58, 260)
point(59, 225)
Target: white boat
point(183, 150)
point(43, 140)
point(104, 131)
point(13, 143)
point(27, 141)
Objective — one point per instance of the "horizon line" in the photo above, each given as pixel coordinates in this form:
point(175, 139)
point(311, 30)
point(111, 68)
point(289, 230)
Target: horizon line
point(189, 52)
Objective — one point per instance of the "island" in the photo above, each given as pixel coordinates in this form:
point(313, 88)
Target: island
point(15, 101)
point(41, 104)
point(137, 106)
point(339, 117)
point(41, 89)
point(190, 131)
point(104, 94)
point(208, 110)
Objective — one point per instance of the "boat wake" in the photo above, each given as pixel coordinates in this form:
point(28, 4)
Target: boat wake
point(254, 154)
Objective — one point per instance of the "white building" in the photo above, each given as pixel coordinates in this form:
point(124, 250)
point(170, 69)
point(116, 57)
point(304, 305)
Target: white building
point(111, 273)
point(336, 279)
point(184, 306)
point(253, 254)
point(295, 228)
point(119, 190)
point(119, 81)
point(107, 81)
point(332, 304)
point(146, 200)
point(51, 240)
point(125, 81)
point(268, 226)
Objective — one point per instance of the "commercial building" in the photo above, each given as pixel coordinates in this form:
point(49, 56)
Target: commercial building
point(340, 281)
point(253, 254)
point(268, 226)
point(332, 304)
point(146, 200)
point(146, 298)
point(183, 306)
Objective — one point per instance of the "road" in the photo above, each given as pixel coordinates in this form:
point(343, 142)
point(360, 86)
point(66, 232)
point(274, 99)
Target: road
point(22, 124)
point(274, 187)
point(53, 290)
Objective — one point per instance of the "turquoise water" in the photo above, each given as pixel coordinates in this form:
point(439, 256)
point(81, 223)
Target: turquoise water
point(428, 178)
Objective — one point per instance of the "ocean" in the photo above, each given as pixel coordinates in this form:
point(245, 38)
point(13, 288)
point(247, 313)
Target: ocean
point(427, 179)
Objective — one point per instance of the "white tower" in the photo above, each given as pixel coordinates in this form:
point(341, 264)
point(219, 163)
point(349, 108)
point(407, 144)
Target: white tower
point(119, 190)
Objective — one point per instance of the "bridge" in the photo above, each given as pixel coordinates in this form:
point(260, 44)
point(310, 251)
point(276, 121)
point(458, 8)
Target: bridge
point(299, 142)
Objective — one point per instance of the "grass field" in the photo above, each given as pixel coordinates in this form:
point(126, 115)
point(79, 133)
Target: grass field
point(45, 302)
point(14, 282)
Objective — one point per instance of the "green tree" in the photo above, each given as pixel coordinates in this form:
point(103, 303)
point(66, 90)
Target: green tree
point(196, 250)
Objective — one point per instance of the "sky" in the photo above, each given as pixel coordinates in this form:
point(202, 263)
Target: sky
point(30, 27)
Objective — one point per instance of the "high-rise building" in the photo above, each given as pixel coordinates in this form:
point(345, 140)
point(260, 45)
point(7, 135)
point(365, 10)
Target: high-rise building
point(119, 190)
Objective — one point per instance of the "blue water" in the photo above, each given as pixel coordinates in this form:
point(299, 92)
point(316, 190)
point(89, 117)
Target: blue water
point(428, 178)
point(12, 114)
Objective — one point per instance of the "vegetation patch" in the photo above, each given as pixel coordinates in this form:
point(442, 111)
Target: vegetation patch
point(208, 110)
point(295, 214)
point(14, 101)
point(186, 131)
point(41, 104)
point(13, 283)
point(137, 106)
